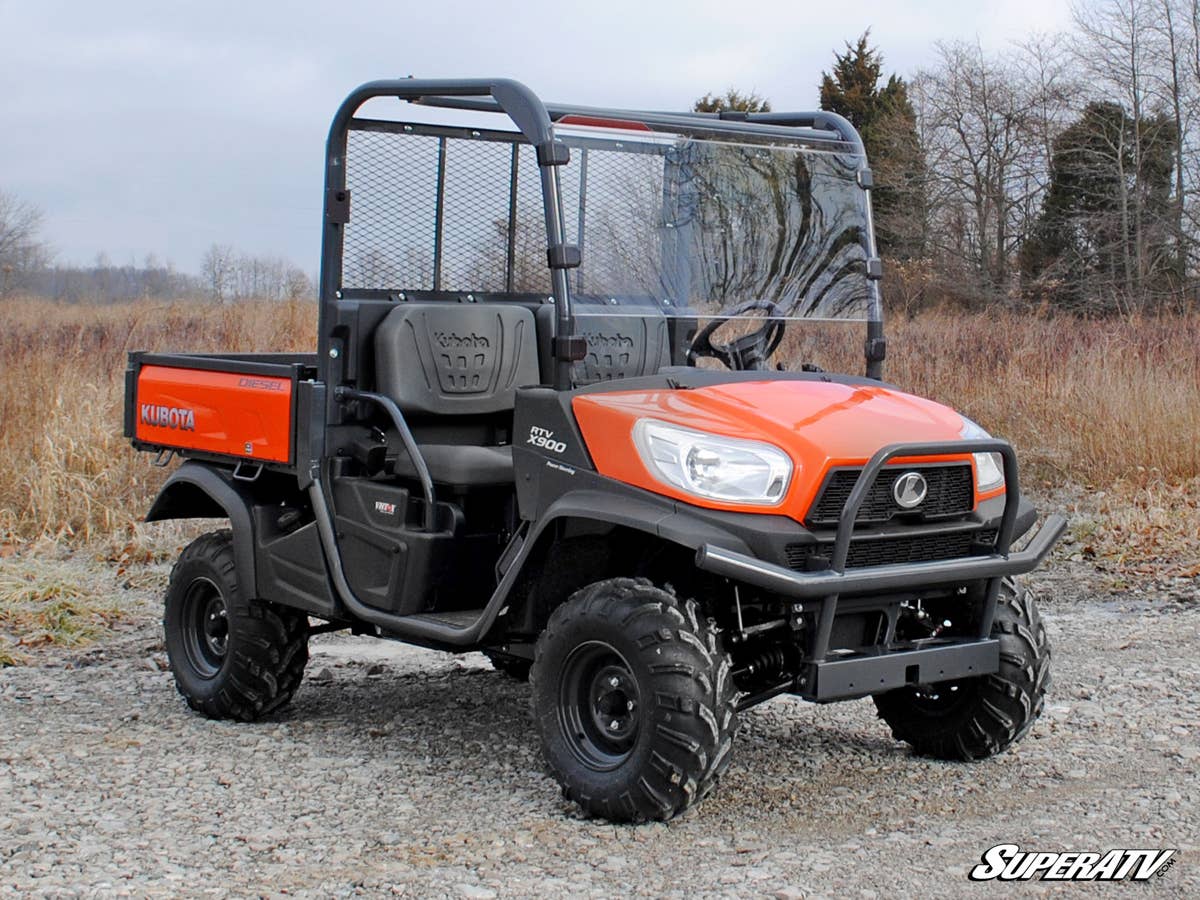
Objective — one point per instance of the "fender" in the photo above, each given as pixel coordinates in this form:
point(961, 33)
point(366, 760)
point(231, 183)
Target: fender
point(585, 496)
point(588, 496)
point(198, 491)
point(648, 513)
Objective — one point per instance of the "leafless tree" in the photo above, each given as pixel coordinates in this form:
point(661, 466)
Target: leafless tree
point(986, 123)
point(231, 275)
point(1136, 53)
point(1053, 93)
point(21, 250)
point(1179, 96)
point(1113, 48)
point(217, 271)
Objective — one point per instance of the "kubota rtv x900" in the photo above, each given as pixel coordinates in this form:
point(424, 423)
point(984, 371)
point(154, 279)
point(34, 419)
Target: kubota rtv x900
point(545, 421)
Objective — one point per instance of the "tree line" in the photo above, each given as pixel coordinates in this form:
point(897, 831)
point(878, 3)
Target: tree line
point(1062, 171)
point(226, 274)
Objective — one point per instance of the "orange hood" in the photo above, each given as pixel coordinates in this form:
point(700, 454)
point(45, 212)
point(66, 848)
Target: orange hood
point(818, 424)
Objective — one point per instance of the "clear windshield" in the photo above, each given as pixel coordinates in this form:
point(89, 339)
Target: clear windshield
point(710, 228)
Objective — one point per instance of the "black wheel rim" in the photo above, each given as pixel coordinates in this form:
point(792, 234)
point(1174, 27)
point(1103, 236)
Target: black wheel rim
point(939, 699)
point(205, 627)
point(600, 705)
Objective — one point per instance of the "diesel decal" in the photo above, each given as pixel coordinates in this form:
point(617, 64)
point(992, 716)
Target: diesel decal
point(168, 417)
point(544, 438)
point(261, 384)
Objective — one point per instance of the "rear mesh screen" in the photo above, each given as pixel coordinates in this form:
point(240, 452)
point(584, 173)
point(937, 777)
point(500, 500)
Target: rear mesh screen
point(395, 239)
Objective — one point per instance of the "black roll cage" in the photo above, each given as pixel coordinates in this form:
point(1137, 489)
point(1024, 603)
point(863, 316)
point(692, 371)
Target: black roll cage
point(535, 121)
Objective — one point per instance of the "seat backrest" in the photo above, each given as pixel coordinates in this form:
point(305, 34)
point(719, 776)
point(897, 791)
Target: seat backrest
point(621, 347)
point(455, 358)
point(617, 346)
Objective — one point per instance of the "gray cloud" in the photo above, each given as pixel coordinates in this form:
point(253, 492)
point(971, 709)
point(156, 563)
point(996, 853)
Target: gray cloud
point(161, 128)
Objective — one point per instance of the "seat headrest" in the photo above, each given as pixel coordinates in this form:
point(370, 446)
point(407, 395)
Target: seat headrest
point(455, 358)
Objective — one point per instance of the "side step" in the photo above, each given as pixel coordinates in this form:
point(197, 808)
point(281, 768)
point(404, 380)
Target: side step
point(458, 618)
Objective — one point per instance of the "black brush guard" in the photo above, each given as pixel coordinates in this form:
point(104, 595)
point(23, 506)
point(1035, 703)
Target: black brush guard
point(840, 678)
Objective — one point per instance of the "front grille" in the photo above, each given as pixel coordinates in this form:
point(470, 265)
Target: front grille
point(904, 549)
point(951, 493)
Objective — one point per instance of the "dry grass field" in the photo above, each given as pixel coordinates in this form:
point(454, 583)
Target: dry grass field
point(71, 473)
point(1105, 415)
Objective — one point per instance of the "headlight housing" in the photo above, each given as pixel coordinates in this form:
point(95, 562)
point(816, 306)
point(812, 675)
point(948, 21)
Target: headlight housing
point(713, 466)
point(989, 467)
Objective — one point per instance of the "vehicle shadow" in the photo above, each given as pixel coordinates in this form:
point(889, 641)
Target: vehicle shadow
point(476, 724)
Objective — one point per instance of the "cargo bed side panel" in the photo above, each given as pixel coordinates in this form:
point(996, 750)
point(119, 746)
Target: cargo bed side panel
point(244, 416)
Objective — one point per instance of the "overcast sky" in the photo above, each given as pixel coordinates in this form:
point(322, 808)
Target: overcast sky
point(160, 127)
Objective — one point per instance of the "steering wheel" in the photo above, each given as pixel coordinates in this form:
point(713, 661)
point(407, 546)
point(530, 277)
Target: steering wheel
point(750, 351)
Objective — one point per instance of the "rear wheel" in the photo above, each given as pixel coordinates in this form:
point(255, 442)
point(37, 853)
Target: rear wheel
point(232, 657)
point(974, 718)
point(633, 700)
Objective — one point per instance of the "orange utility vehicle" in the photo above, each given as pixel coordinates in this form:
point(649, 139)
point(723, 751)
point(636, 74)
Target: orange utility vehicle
point(546, 420)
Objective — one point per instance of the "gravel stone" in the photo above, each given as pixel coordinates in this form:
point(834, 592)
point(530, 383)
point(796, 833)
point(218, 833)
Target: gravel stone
point(402, 771)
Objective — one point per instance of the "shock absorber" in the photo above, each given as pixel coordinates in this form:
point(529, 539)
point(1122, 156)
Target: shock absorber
point(770, 660)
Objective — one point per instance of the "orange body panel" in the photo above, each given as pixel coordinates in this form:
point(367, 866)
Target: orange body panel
point(820, 425)
point(247, 416)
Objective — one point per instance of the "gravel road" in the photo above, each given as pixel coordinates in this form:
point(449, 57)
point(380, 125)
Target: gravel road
point(399, 770)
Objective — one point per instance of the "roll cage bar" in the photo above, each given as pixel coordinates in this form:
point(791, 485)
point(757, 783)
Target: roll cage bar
point(535, 121)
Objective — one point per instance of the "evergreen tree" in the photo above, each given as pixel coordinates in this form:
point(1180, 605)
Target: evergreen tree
point(732, 99)
point(1104, 229)
point(884, 116)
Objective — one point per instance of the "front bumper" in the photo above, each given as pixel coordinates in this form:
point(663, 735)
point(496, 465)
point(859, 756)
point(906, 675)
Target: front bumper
point(857, 676)
point(844, 677)
point(841, 679)
point(877, 579)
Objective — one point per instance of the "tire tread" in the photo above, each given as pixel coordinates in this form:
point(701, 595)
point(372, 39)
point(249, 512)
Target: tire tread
point(1004, 705)
point(268, 643)
point(689, 678)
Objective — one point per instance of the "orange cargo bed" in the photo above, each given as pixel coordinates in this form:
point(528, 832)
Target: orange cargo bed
point(235, 407)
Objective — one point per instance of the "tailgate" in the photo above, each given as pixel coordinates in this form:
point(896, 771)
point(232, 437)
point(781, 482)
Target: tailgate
point(244, 410)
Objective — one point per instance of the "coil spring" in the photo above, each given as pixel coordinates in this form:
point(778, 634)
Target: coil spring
point(772, 660)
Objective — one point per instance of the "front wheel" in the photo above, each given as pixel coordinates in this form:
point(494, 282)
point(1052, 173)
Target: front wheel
point(233, 657)
point(974, 718)
point(633, 700)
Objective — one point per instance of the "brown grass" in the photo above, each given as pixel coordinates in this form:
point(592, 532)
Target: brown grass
point(68, 470)
point(1112, 406)
point(1093, 402)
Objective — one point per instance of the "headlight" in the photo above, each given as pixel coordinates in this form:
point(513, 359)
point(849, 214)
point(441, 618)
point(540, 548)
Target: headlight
point(989, 467)
point(709, 465)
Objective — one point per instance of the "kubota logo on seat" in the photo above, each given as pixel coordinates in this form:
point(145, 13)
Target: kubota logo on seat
point(599, 340)
point(169, 417)
point(448, 340)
